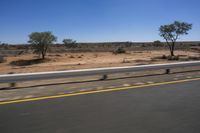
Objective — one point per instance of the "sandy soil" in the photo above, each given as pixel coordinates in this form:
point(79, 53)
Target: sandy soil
point(86, 60)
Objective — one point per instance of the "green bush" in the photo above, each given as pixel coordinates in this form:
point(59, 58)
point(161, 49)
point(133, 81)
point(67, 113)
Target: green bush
point(164, 57)
point(157, 43)
point(173, 58)
point(120, 51)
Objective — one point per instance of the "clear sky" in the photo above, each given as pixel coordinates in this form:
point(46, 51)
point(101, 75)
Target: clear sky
point(95, 20)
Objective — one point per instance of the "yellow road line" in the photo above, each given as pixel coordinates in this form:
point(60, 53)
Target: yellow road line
point(97, 91)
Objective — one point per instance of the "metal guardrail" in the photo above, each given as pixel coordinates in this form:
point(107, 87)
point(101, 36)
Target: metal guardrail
point(12, 78)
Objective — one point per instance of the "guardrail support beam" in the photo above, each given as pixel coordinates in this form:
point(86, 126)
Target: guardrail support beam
point(14, 78)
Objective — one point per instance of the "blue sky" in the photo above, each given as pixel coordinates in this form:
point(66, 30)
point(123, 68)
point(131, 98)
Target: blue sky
point(95, 20)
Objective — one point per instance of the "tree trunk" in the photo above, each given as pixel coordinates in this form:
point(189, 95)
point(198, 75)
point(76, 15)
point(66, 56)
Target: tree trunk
point(172, 48)
point(43, 55)
point(172, 52)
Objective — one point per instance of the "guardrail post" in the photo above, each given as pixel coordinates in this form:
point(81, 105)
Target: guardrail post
point(167, 71)
point(13, 84)
point(104, 77)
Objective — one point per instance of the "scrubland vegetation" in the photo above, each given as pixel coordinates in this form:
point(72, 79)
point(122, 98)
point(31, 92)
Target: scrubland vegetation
point(43, 54)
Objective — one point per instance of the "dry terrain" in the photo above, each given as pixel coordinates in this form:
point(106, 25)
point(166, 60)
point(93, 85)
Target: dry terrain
point(65, 61)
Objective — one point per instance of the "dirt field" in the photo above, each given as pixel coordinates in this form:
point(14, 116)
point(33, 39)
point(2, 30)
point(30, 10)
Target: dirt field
point(23, 63)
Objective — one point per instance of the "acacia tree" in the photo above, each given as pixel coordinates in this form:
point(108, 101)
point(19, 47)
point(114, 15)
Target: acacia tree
point(40, 42)
point(172, 32)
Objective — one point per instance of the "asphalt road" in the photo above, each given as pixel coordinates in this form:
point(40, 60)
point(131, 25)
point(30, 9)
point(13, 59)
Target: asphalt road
point(172, 108)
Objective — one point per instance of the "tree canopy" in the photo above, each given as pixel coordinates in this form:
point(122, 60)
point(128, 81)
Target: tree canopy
point(172, 32)
point(70, 43)
point(41, 41)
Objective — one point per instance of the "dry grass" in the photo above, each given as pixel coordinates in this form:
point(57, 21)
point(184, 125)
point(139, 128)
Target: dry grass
point(29, 63)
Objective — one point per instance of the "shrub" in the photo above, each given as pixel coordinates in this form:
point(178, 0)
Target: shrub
point(69, 43)
point(27, 62)
point(164, 57)
point(2, 59)
point(71, 56)
point(173, 58)
point(120, 51)
point(157, 43)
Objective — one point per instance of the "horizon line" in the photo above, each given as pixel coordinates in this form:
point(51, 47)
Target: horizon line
point(99, 42)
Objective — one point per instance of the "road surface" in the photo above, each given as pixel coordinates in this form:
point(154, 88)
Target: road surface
point(169, 108)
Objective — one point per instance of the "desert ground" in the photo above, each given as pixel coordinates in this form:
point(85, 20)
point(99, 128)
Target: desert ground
point(26, 63)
